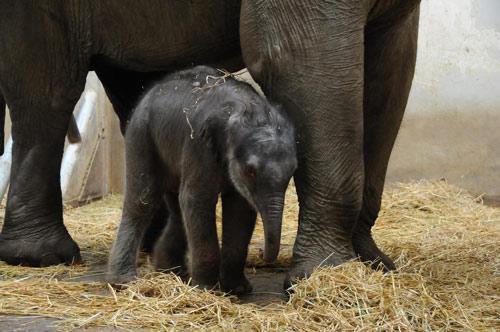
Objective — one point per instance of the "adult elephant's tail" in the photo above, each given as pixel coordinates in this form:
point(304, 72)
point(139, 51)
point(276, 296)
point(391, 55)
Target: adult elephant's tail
point(73, 133)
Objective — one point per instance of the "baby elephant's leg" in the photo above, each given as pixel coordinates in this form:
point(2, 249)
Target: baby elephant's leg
point(238, 221)
point(142, 196)
point(170, 250)
point(198, 214)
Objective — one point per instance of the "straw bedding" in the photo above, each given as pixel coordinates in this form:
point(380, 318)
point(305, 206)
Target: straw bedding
point(445, 242)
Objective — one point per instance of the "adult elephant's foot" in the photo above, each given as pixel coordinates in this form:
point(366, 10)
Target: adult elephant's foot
point(297, 272)
point(303, 267)
point(52, 249)
point(368, 251)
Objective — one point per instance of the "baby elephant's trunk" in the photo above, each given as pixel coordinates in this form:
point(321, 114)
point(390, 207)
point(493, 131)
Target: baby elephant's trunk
point(271, 211)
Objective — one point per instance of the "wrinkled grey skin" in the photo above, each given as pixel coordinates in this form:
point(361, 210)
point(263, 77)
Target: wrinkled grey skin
point(341, 69)
point(241, 148)
point(73, 134)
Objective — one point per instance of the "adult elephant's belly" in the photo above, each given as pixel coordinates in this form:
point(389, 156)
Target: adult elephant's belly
point(147, 36)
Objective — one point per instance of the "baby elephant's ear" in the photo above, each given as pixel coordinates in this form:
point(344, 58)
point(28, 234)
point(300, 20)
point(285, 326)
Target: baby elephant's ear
point(212, 133)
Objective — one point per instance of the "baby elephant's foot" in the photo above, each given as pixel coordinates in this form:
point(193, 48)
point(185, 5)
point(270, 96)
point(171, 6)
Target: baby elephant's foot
point(206, 281)
point(120, 279)
point(179, 271)
point(236, 286)
point(170, 264)
point(207, 285)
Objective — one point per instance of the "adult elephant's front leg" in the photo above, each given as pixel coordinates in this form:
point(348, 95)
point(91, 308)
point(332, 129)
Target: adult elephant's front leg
point(33, 232)
point(42, 75)
point(316, 73)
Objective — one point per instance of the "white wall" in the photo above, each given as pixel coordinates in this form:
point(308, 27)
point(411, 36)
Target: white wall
point(94, 167)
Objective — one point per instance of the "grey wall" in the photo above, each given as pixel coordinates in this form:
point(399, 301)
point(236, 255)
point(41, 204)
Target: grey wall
point(452, 124)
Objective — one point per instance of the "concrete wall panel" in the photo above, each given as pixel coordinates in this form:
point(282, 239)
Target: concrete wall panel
point(451, 128)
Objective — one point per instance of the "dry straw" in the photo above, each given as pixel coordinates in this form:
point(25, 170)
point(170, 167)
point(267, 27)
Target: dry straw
point(445, 242)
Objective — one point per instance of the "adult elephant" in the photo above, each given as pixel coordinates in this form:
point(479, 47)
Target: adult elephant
point(342, 69)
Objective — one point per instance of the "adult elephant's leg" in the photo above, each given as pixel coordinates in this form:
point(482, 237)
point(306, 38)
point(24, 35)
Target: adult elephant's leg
point(316, 73)
point(390, 55)
point(33, 232)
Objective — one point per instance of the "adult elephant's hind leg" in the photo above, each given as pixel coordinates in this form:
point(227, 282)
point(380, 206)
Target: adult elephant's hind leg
point(33, 232)
point(390, 55)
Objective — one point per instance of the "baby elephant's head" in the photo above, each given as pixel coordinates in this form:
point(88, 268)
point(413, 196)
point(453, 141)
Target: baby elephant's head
point(262, 159)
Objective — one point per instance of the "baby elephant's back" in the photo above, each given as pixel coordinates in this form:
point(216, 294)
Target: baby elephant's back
point(171, 101)
point(180, 90)
point(164, 115)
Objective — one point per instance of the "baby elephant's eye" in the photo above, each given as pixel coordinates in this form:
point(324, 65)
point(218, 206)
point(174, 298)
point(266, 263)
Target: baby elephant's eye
point(250, 171)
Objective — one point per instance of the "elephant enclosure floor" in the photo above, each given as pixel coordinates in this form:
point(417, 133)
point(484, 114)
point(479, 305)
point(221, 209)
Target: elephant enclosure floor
point(446, 245)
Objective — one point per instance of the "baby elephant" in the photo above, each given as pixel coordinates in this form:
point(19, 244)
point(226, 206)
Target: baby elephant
point(192, 137)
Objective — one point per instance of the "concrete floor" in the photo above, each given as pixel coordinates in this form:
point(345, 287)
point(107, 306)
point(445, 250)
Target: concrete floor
point(267, 284)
